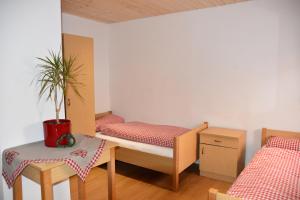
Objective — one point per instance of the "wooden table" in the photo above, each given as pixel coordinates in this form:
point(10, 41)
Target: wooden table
point(48, 174)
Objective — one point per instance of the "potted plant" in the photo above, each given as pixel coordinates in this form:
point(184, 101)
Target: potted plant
point(55, 77)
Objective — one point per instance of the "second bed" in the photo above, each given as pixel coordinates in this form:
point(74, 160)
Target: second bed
point(167, 154)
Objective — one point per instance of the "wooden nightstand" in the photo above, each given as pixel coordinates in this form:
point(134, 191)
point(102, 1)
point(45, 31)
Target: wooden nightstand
point(222, 153)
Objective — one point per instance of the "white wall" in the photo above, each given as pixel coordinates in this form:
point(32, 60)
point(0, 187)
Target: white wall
point(28, 29)
point(100, 33)
point(235, 66)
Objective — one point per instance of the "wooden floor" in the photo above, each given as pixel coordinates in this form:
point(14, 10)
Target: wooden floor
point(135, 183)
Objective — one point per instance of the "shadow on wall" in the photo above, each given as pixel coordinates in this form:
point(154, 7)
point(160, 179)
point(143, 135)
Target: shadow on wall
point(253, 137)
point(257, 135)
point(33, 132)
point(1, 179)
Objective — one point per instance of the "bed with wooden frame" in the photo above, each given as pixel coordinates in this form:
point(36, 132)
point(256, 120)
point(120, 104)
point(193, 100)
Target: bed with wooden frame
point(184, 154)
point(214, 194)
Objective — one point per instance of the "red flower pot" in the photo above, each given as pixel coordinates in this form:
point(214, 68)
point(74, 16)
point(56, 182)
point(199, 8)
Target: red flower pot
point(53, 131)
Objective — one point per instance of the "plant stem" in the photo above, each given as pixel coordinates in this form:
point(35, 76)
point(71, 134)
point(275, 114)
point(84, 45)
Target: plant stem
point(56, 108)
point(57, 116)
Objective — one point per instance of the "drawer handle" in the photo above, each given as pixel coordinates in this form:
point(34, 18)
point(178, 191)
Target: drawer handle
point(217, 140)
point(202, 151)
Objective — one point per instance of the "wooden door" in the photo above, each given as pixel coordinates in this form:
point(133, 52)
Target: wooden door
point(218, 160)
point(81, 111)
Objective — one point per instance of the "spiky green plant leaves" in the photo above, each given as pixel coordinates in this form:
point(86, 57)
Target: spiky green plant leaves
point(56, 75)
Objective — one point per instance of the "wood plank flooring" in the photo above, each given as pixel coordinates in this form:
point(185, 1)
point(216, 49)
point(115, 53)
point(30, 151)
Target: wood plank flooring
point(135, 183)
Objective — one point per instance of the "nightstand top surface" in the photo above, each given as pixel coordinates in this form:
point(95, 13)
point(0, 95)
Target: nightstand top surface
point(225, 132)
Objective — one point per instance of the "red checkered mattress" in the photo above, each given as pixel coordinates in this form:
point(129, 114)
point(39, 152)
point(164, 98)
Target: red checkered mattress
point(273, 174)
point(160, 135)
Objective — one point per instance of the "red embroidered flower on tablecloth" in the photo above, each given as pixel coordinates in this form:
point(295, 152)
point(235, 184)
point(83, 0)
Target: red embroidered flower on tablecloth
point(10, 156)
point(79, 152)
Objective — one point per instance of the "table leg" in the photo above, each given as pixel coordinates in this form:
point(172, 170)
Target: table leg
point(77, 188)
point(17, 188)
point(111, 175)
point(46, 185)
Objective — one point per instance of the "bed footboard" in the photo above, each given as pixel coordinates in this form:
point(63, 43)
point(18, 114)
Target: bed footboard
point(185, 152)
point(214, 194)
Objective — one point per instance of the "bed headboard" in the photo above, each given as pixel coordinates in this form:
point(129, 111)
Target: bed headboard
point(99, 115)
point(266, 133)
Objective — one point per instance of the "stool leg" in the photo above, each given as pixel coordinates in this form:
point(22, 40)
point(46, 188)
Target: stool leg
point(46, 185)
point(17, 188)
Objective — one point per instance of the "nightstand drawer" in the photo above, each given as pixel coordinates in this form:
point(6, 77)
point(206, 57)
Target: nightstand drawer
point(219, 141)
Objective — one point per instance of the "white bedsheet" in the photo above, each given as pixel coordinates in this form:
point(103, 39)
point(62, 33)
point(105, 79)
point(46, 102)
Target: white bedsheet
point(148, 148)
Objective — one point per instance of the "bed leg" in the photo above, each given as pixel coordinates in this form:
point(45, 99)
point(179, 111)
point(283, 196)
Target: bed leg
point(175, 182)
point(175, 175)
point(212, 194)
